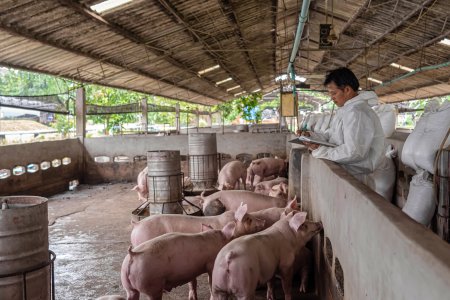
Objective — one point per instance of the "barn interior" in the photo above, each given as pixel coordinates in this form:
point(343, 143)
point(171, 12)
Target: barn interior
point(209, 52)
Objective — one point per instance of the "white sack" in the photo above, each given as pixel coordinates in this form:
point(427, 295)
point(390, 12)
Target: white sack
point(387, 115)
point(420, 204)
point(421, 146)
point(319, 122)
point(326, 123)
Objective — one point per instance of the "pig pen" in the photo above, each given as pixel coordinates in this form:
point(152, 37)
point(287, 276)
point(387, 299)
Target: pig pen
point(89, 230)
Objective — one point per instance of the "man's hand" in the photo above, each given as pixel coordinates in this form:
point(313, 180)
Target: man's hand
point(310, 146)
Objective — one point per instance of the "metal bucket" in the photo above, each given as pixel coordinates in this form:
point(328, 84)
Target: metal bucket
point(24, 248)
point(203, 165)
point(164, 182)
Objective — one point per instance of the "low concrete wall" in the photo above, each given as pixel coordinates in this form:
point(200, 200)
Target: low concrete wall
point(133, 146)
point(383, 253)
point(43, 182)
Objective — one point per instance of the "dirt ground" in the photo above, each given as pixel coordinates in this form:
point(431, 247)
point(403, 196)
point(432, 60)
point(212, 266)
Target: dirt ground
point(89, 231)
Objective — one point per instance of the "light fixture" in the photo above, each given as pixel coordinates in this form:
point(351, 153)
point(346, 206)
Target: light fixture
point(225, 80)
point(374, 80)
point(401, 67)
point(108, 4)
point(257, 90)
point(285, 76)
point(233, 88)
point(445, 41)
point(208, 70)
point(240, 93)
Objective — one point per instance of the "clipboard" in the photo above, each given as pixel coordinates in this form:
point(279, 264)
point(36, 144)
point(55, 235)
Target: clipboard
point(302, 139)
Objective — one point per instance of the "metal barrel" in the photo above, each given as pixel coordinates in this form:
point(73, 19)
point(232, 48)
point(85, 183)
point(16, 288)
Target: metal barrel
point(24, 248)
point(203, 160)
point(164, 181)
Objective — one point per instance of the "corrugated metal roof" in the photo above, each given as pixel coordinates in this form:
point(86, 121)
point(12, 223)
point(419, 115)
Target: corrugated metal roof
point(158, 47)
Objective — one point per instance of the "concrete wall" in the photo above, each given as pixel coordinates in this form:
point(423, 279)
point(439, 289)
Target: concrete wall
point(43, 182)
point(382, 252)
point(138, 145)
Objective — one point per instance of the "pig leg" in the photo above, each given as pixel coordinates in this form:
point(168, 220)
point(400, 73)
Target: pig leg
point(243, 181)
point(269, 294)
point(303, 278)
point(286, 282)
point(193, 289)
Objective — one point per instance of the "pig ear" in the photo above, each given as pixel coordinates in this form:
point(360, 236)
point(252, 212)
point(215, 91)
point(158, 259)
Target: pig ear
point(240, 212)
point(297, 220)
point(228, 230)
point(293, 204)
point(206, 227)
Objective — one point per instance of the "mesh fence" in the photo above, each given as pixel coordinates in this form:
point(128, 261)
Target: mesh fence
point(49, 103)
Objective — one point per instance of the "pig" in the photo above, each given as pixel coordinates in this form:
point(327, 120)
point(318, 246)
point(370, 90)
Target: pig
point(230, 175)
point(279, 191)
point(141, 186)
point(265, 167)
point(264, 187)
point(257, 258)
point(111, 297)
point(230, 200)
point(171, 260)
point(157, 225)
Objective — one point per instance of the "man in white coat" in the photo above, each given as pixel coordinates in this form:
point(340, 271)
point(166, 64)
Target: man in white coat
point(357, 132)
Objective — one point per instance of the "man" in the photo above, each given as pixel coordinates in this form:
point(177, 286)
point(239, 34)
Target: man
point(357, 132)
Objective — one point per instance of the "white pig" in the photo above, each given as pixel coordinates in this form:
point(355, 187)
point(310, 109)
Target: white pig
point(141, 186)
point(255, 259)
point(171, 260)
point(231, 174)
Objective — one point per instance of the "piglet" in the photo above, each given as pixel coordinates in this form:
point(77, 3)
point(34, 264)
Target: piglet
point(141, 186)
point(279, 191)
point(231, 174)
point(265, 167)
point(255, 259)
point(264, 187)
point(173, 259)
point(157, 225)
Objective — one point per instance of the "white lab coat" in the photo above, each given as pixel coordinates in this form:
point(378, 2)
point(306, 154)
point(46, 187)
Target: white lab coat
point(357, 132)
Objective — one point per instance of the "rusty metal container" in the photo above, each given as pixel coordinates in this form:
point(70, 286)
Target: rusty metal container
point(23, 248)
point(164, 182)
point(203, 165)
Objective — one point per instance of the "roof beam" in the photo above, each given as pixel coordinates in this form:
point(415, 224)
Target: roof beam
point(158, 51)
point(346, 26)
point(230, 14)
point(33, 37)
point(411, 51)
point(393, 28)
point(168, 7)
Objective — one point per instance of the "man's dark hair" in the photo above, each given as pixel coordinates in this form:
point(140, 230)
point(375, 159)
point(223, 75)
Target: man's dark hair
point(342, 77)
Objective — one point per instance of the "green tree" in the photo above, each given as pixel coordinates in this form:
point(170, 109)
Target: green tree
point(105, 96)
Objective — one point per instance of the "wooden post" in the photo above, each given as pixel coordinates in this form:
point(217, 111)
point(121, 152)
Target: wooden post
point(80, 114)
point(144, 120)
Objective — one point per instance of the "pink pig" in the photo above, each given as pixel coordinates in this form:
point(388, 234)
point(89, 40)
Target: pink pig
point(251, 260)
point(279, 191)
point(221, 201)
point(157, 225)
point(265, 167)
point(230, 175)
point(264, 187)
point(141, 186)
point(160, 264)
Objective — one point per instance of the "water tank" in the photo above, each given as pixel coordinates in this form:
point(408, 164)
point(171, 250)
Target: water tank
point(23, 247)
point(164, 182)
point(203, 160)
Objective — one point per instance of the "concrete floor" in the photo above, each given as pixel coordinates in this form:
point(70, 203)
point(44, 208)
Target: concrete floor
point(89, 231)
